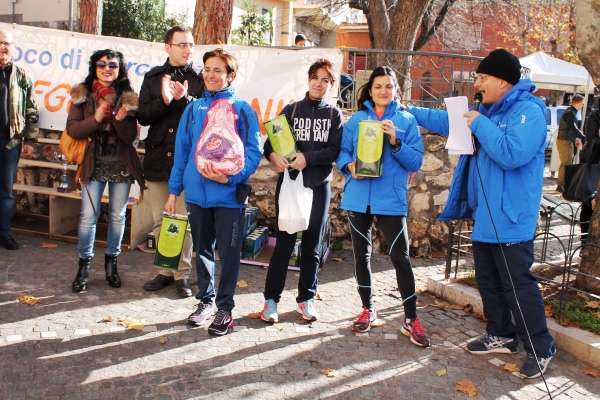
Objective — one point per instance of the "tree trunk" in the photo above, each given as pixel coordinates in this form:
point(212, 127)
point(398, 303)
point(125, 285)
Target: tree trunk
point(90, 20)
point(588, 42)
point(212, 21)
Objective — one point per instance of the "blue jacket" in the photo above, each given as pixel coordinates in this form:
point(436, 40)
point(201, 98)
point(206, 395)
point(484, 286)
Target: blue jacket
point(387, 194)
point(185, 176)
point(507, 172)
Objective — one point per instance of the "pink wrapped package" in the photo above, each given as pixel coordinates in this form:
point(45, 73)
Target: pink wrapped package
point(220, 142)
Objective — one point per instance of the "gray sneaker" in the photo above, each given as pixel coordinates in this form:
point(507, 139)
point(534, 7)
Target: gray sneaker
point(487, 343)
point(307, 309)
point(203, 313)
point(533, 368)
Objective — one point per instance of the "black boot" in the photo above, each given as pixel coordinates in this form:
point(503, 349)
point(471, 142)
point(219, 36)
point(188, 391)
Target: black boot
point(110, 266)
point(83, 274)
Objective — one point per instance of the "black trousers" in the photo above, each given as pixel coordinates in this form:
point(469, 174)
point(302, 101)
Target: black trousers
point(395, 233)
point(309, 252)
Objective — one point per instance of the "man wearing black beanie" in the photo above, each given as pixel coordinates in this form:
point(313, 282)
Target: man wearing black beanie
point(503, 182)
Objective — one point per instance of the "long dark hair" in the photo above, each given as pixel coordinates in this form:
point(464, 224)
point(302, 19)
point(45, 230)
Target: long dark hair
point(364, 94)
point(121, 84)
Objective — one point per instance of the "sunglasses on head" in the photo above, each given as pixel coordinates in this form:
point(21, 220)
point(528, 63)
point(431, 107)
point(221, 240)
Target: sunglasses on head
point(111, 65)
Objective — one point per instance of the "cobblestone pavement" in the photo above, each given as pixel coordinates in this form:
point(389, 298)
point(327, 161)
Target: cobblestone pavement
point(59, 349)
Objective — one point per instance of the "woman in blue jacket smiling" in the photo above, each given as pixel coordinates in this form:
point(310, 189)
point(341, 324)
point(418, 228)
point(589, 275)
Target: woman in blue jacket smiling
point(383, 197)
point(215, 214)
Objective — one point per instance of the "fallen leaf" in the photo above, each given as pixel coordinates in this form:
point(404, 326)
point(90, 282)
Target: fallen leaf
point(108, 319)
point(582, 295)
point(254, 315)
point(447, 305)
point(468, 308)
point(481, 317)
point(441, 372)
point(319, 296)
point(511, 367)
point(467, 387)
point(278, 325)
point(598, 315)
point(591, 371)
point(32, 301)
point(242, 284)
point(162, 340)
point(571, 323)
point(132, 324)
point(49, 245)
point(593, 304)
point(549, 311)
point(337, 259)
point(329, 372)
point(419, 290)
point(419, 303)
point(24, 297)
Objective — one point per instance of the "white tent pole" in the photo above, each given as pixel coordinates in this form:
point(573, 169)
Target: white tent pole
point(585, 101)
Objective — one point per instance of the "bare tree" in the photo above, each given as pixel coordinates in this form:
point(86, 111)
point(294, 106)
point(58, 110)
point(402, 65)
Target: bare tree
point(212, 21)
point(588, 42)
point(90, 18)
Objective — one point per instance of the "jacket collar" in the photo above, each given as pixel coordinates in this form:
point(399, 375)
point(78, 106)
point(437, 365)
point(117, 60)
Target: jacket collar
point(224, 94)
point(389, 110)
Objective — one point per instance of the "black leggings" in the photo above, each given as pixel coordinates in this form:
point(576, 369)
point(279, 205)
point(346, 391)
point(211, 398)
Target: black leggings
point(396, 236)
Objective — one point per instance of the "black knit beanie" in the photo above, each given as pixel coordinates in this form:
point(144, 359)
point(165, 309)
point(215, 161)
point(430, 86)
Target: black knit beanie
point(501, 64)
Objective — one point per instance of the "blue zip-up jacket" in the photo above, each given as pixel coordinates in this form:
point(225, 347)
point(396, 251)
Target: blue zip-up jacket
point(387, 194)
point(184, 175)
point(508, 167)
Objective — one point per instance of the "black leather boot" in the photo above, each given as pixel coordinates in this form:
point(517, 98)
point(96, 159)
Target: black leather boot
point(80, 282)
point(110, 266)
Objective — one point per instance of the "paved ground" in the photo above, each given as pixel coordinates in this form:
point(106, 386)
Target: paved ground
point(58, 349)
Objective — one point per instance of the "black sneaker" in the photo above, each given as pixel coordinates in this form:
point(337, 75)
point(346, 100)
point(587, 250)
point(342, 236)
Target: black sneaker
point(533, 368)
point(493, 344)
point(9, 243)
point(221, 323)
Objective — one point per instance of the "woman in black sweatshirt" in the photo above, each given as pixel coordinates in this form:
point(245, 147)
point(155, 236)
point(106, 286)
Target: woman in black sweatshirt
point(317, 128)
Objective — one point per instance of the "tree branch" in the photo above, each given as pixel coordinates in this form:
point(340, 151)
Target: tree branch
point(426, 34)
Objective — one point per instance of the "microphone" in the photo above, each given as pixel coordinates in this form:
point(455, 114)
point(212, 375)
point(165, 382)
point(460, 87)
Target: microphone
point(477, 98)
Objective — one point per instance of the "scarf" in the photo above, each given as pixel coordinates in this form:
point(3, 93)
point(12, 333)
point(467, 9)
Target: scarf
point(105, 127)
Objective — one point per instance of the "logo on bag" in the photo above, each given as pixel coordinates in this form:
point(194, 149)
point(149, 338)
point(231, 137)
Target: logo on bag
point(173, 229)
point(213, 144)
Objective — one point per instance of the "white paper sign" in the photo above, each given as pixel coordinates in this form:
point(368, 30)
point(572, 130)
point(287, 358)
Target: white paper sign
point(459, 139)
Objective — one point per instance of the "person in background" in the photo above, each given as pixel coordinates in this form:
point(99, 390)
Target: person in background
point(19, 115)
point(318, 148)
point(103, 110)
point(500, 187)
point(215, 213)
point(383, 198)
point(568, 138)
point(590, 154)
point(592, 125)
point(300, 40)
point(166, 91)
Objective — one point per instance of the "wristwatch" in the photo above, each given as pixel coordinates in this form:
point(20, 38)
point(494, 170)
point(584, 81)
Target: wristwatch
point(397, 145)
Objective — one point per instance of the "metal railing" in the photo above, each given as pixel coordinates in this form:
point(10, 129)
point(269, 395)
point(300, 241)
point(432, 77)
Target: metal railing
point(556, 247)
point(427, 77)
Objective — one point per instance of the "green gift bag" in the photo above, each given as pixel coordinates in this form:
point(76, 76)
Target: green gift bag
point(370, 149)
point(170, 241)
point(281, 137)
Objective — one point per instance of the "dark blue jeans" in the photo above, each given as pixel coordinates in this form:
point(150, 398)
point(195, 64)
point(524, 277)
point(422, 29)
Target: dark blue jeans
point(8, 170)
point(498, 296)
point(309, 251)
point(223, 228)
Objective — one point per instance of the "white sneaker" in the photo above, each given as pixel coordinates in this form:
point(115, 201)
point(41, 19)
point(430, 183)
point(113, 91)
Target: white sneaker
point(307, 309)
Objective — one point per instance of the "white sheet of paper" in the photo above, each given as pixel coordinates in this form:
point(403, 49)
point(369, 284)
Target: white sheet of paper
point(459, 139)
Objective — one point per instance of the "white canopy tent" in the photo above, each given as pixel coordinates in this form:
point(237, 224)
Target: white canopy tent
point(551, 73)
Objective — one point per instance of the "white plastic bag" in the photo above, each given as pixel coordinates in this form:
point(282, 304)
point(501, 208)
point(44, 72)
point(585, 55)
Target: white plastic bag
point(295, 203)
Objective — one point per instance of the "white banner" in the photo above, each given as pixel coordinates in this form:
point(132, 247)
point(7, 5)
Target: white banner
point(267, 78)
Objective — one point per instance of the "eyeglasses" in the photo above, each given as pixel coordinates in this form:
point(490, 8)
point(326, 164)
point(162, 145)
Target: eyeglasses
point(104, 64)
point(5, 44)
point(182, 46)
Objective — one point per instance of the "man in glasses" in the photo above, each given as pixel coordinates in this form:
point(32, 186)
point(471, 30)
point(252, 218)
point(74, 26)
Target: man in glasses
point(500, 187)
point(165, 92)
point(19, 114)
